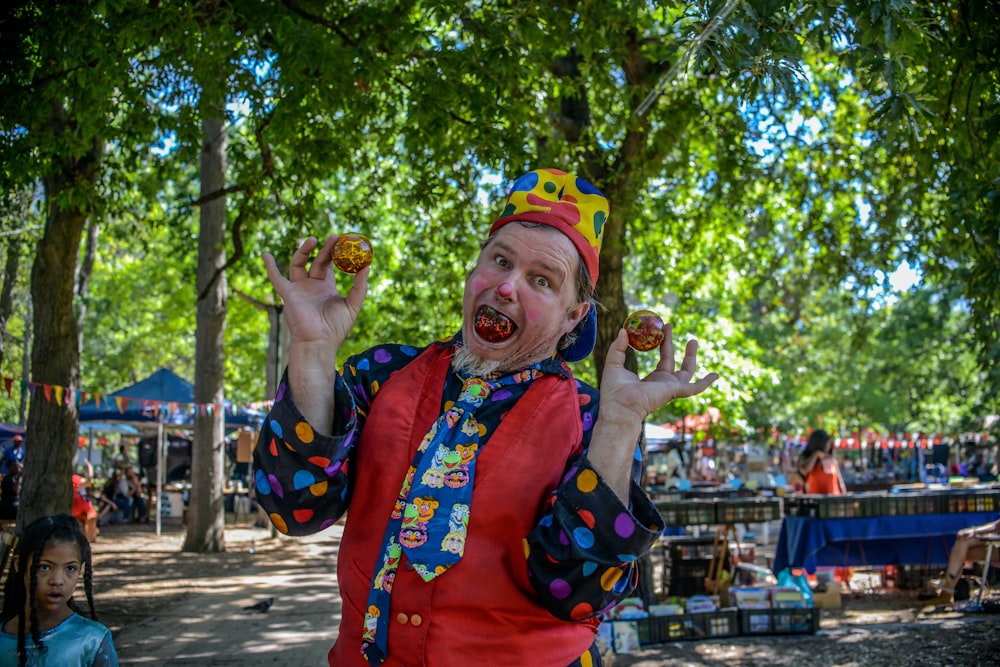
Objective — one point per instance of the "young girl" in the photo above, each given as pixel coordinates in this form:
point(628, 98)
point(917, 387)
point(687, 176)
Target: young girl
point(38, 601)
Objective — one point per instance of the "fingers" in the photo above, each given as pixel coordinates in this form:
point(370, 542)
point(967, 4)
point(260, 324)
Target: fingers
point(297, 267)
point(273, 273)
point(300, 267)
point(359, 289)
point(324, 258)
point(690, 361)
point(617, 349)
point(698, 386)
point(666, 362)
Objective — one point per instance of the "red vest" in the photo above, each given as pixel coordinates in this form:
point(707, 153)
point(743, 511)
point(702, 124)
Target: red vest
point(483, 611)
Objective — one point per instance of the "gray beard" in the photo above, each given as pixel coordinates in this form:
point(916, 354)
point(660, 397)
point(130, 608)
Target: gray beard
point(469, 363)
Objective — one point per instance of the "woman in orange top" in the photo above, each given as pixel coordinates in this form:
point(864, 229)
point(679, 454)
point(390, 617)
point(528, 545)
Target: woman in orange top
point(818, 467)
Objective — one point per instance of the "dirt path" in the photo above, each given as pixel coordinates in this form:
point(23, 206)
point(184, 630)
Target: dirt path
point(168, 608)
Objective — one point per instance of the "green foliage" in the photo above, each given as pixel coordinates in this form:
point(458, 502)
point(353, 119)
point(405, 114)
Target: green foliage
point(793, 154)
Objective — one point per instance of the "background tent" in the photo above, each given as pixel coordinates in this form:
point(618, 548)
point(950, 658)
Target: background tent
point(162, 400)
point(164, 394)
point(7, 433)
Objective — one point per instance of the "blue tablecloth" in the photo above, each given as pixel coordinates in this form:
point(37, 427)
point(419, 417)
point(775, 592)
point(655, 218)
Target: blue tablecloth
point(918, 539)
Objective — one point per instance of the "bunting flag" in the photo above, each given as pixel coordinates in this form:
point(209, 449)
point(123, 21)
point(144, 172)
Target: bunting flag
point(60, 395)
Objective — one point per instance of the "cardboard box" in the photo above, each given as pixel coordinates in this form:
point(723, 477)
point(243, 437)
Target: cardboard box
point(828, 599)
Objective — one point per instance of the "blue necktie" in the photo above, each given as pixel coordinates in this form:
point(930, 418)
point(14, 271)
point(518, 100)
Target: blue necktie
point(431, 517)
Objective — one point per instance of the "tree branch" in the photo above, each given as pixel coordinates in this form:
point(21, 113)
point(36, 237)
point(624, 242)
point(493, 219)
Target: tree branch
point(235, 257)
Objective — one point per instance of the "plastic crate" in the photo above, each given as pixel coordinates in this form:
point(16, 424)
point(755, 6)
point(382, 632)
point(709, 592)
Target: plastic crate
point(802, 506)
point(868, 503)
point(687, 512)
point(779, 621)
point(748, 510)
point(705, 625)
point(985, 501)
point(836, 507)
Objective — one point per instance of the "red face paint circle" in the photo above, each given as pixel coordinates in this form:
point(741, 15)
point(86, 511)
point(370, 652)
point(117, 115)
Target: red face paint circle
point(352, 252)
point(644, 329)
point(492, 325)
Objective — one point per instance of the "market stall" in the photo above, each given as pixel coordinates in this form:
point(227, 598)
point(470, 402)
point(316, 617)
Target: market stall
point(876, 530)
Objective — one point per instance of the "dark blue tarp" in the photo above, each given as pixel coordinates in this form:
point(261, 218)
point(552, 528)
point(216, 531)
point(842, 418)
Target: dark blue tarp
point(162, 392)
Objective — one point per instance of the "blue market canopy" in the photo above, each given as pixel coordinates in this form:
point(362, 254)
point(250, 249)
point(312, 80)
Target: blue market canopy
point(163, 394)
point(7, 433)
point(104, 427)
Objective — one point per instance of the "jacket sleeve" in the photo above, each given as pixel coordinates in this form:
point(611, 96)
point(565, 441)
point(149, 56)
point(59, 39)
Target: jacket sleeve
point(583, 553)
point(301, 476)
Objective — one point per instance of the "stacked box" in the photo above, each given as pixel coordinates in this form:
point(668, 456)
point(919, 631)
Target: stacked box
point(837, 507)
point(748, 510)
point(705, 625)
point(802, 506)
point(722, 623)
point(660, 629)
point(779, 621)
point(690, 559)
point(986, 501)
point(867, 504)
point(686, 512)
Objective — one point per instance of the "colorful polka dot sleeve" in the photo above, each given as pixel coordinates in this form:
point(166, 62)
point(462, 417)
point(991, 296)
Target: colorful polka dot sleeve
point(300, 475)
point(582, 555)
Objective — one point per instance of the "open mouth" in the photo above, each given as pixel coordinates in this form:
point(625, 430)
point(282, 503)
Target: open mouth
point(493, 326)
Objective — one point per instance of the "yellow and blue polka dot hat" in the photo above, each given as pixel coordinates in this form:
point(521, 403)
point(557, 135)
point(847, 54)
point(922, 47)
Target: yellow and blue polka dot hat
point(576, 208)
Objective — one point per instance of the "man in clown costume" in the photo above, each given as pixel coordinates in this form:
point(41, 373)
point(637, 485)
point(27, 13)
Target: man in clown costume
point(554, 520)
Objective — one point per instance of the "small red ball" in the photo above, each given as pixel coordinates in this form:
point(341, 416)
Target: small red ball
point(352, 252)
point(644, 329)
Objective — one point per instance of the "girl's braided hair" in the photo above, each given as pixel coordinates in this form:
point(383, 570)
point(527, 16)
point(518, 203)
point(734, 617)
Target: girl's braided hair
point(39, 534)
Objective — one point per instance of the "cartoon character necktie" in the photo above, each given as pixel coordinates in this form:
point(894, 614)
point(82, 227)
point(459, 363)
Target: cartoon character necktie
point(430, 520)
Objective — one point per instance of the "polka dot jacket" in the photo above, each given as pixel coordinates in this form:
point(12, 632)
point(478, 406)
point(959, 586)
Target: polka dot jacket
point(583, 530)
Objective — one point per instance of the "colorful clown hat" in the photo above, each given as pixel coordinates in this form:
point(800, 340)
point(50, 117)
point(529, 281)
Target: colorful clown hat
point(577, 209)
point(564, 201)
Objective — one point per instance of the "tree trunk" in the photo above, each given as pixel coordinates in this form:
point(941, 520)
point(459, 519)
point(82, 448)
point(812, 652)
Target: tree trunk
point(50, 441)
point(277, 340)
point(83, 277)
point(206, 516)
point(7, 291)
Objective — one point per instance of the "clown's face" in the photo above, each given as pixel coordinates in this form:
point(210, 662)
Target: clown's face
point(527, 275)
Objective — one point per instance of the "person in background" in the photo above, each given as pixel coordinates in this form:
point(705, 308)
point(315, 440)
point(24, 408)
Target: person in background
point(83, 510)
point(819, 468)
point(10, 491)
point(136, 495)
point(123, 497)
point(494, 505)
point(11, 453)
point(121, 459)
point(41, 624)
point(106, 501)
point(969, 546)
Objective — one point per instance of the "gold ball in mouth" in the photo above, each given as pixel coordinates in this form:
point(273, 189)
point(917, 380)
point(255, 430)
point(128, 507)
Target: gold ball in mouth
point(493, 326)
